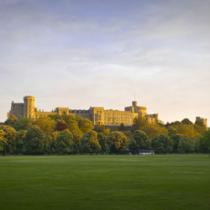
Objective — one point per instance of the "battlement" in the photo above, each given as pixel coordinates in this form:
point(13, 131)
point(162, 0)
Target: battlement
point(201, 121)
point(98, 115)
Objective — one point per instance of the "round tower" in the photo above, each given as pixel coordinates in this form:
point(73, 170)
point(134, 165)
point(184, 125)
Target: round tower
point(134, 103)
point(29, 107)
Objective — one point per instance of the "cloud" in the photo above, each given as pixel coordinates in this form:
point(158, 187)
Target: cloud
point(109, 50)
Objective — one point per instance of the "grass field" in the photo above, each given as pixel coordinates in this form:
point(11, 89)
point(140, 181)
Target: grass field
point(167, 182)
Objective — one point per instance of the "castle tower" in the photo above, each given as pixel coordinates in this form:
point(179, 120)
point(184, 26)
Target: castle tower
point(29, 107)
point(201, 121)
point(134, 103)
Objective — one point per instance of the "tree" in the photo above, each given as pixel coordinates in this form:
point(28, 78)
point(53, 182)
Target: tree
point(85, 125)
point(142, 140)
point(118, 142)
point(103, 134)
point(90, 143)
point(152, 130)
point(186, 145)
point(186, 122)
point(10, 137)
point(61, 125)
point(3, 142)
point(75, 130)
point(183, 144)
point(23, 124)
point(102, 129)
point(139, 123)
point(63, 143)
point(48, 125)
point(103, 142)
point(139, 142)
point(200, 127)
point(162, 144)
point(205, 142)
point(34, 141)
point(155, 130)
point(122, 127)
point(175, 139)
point(20, 144)
point(12, 119)
point(185, 128)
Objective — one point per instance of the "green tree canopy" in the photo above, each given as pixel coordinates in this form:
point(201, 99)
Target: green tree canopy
point(85, 125)
point(61, 125)
point(186, 145)
point(47, 125)
point(140, 141)
point(118, 142)
point(162, 144)
point(34, 141)
point(205, 142)
point(23, 124)
point(10, 137)
point(63, 143)
point(152, 130)
point(3, 142)
point(90, 143)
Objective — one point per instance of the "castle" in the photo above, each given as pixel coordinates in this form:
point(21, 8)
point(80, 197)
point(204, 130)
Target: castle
point(98, 115)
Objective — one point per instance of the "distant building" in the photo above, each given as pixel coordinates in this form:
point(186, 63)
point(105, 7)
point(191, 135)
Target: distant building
point(98, 115)
point(201, 121)
point(26, 109)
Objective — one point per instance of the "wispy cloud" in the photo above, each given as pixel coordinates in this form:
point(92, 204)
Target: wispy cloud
point(87, 52)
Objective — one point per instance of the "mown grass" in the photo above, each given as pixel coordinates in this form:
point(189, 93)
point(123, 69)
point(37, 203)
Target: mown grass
point(160, 182)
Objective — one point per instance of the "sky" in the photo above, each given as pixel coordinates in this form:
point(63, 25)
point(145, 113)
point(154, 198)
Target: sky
point(82, 53)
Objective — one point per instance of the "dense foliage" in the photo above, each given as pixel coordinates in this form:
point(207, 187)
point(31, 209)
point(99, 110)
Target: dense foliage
point(75, 135)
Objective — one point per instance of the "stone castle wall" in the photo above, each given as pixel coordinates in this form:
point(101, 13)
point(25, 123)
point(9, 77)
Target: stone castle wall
point(98, 115)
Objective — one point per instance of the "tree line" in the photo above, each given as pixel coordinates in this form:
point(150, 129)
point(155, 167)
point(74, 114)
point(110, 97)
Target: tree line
point(72, 134)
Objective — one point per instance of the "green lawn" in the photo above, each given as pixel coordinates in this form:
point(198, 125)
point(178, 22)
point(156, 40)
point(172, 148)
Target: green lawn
point(166, 182)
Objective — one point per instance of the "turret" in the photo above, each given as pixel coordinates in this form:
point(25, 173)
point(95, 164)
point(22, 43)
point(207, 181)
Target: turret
point(201, 121)
point(134, 103)
point(29, 107)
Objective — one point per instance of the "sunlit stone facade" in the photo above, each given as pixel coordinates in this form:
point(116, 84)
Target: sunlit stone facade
point(202, 121)
point(98, 115)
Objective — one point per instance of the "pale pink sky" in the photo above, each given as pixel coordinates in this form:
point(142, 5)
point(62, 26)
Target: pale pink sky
point(81, 53)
